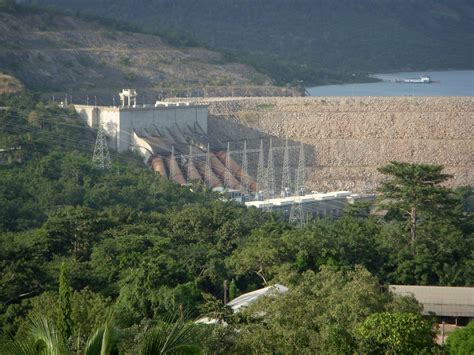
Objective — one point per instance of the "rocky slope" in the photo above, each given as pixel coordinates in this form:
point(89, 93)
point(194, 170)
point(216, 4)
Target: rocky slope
point(9, 84)
point(351, 137)
point(55, 53)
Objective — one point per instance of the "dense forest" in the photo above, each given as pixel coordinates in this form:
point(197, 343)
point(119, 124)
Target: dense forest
point(322, 41)
point(126, 258)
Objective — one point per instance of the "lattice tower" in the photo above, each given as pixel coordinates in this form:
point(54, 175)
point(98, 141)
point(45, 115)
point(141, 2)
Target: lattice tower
point(227, 173)
point(300, 173)
point(244, 176)
point(261, 170)
point(172, 164)
point(285, 178)
point(190, 164)
point(208, 172)
point(270, 178)
point(101, 157)
point(296, 214)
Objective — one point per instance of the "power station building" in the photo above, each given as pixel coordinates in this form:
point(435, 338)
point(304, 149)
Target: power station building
point(154, 127)
point(171, 136)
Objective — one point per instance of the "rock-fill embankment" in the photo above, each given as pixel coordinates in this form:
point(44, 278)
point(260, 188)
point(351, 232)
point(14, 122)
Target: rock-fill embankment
point(351, 137)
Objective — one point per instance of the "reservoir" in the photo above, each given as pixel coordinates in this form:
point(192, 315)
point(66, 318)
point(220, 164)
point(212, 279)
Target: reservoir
point(447, 83)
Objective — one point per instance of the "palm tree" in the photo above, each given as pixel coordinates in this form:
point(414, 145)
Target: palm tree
point(176, 337)
point(103, 341)
point(42, 339)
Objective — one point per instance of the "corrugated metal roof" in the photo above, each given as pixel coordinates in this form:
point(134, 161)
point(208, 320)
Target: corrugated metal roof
point(441, 300)
point(248, 298)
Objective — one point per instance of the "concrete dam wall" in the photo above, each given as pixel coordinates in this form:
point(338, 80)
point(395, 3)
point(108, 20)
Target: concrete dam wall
point(351, 137)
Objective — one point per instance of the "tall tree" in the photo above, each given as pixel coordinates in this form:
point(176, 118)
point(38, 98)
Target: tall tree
point(413, 191)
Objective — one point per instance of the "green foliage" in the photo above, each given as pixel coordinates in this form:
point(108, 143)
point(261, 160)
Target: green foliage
point(395, 333)
point(424, 220)
point(461, 341)
point(232, 290)
point(140, 249)
point(318, 314)
point(64, 304)
point(105, 340)
point(42, 338)
point(174, 337)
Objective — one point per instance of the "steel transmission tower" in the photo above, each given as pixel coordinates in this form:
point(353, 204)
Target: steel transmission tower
point(101, 157)
point(296, 214)
point(207, 176)
point(286, 178)
point(260, 170)
point(172, 164)
point(270, 178)
point(244, 175)
point(190, 165)
point(300, 173)
point(227, 173)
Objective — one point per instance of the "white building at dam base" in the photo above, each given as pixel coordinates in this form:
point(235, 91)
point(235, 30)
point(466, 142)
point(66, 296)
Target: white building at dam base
point(152, 129)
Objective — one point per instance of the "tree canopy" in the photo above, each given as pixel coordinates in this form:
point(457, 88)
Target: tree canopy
point(139, 250)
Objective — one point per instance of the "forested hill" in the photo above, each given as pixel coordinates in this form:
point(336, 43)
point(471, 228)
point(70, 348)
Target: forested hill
point(313, 40)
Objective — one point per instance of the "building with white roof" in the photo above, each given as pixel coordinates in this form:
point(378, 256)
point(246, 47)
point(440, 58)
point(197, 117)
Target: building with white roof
point(315, 205)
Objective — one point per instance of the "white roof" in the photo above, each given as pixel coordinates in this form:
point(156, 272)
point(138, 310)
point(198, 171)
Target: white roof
point(248, 298)
point(281, 201)
point(441, 300)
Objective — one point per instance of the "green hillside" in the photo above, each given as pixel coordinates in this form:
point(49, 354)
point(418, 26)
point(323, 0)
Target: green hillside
point(316, 41)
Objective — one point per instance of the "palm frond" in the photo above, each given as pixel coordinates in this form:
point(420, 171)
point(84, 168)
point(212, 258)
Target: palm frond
point(19, 348)
point(176, 338)
point(46, 338)
point(94, 342)
point(103, 341)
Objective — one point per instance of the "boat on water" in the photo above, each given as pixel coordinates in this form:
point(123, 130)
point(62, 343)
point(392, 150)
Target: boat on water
point(424, 79)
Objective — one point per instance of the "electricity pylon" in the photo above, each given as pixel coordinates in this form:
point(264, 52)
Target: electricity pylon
point(296, 214)
point(261, 170)
point(101, 157)
point(286, 179)
point(190, 165)
point(300, 173)
point(227, 173)
point(270, 178)
point(172, 164)
point(208, 172)
point(244, 174)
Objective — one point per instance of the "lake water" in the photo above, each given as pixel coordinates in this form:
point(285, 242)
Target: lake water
point(451, 83)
